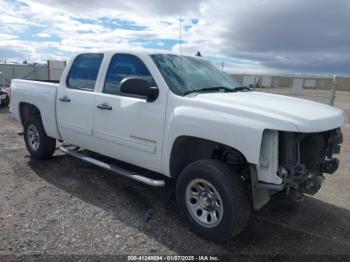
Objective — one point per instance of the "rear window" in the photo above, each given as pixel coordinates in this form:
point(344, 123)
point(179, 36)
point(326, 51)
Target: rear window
point(83, 72)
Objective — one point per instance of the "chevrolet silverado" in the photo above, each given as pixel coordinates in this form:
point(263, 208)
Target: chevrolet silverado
point(148, 116)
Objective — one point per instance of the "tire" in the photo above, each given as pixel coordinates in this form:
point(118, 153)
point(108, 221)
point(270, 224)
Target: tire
point(38, 144)
point(224, 184)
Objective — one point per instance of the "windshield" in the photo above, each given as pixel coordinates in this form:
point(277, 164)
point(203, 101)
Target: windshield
point(197, 74)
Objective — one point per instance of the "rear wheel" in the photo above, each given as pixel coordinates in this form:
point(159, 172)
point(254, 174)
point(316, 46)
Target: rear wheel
point(37, 142)
point(212, 198)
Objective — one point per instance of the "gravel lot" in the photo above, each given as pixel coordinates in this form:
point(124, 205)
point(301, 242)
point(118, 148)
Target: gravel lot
point(65, 206)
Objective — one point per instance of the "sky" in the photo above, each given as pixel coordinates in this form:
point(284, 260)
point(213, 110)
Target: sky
point(251, 36)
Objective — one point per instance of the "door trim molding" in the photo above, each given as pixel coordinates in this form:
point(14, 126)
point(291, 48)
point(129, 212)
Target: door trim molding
point(150, 148)
point(75, 128)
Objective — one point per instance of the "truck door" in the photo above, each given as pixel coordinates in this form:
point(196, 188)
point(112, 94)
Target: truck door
point(75, 100)
point(129, 128)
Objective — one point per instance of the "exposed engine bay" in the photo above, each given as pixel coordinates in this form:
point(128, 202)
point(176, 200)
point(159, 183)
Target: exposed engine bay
point(294, 162)
point(304, 158)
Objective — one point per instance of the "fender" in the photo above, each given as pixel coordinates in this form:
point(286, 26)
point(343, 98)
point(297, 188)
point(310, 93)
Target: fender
point(188, 116)
point(44, 98)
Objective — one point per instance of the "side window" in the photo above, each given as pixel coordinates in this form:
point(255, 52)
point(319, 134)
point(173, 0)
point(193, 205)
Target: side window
point(83, 72)
point(122, 66)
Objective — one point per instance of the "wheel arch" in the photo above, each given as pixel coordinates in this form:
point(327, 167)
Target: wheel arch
point(26, 110)
point(48, 117)
point(188, 149)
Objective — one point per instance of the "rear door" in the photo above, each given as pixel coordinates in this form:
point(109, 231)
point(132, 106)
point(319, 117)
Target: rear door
point(75, 100)
point(130, 128)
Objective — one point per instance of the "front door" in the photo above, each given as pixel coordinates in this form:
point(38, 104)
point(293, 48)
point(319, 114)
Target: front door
point(75, 101)
point(129, 128)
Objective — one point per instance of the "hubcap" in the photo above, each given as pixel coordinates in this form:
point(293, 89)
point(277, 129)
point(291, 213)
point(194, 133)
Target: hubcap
point(33, 137)
point(204, 203)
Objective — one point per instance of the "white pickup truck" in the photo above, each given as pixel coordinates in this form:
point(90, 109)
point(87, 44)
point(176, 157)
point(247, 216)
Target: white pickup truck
point(161, 115)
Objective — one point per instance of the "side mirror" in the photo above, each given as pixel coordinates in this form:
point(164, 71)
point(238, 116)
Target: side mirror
point(139, 87)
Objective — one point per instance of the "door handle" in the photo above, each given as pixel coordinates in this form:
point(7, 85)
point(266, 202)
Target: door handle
point(64, 99)
point(104, 106)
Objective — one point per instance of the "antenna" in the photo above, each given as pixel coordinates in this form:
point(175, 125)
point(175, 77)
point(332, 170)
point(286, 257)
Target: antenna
point(180, 23)
point(180, 20)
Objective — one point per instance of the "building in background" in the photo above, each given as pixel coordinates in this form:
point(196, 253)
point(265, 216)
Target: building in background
point(52, 70)
point(55, 69)
point(296, 82)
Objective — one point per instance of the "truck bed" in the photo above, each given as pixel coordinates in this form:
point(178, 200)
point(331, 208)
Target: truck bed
point(45, 81)
point(41, 94)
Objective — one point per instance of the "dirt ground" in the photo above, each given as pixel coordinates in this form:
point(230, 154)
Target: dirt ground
point(65, 206)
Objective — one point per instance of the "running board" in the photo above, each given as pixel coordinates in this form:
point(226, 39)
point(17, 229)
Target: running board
point(113, 168)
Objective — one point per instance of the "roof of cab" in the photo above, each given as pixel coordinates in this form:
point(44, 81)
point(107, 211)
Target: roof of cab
point(133, 51)
point(129, 51)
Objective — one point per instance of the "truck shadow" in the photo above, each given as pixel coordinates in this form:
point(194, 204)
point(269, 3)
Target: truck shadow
point(282, 227)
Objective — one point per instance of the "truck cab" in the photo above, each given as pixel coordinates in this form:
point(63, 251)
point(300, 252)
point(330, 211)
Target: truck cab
point(228, 148)
point(93, 113)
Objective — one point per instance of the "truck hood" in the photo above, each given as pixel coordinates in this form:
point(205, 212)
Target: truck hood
point(276, 111)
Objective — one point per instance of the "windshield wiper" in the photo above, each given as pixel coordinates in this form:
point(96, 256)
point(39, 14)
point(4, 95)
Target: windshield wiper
point(242, 88)
point(208, 89)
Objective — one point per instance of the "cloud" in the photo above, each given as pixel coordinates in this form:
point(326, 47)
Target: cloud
point(6, 53)
point(159, 8)
point(43, 35)
point(292, 36)
point(299, 36)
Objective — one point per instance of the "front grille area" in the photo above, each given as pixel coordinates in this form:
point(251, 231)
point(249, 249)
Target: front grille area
point(307, 156)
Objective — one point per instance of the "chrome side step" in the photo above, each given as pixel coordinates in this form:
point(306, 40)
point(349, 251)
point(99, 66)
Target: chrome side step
point(113, 168)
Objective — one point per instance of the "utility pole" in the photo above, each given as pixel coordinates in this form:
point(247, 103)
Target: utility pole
point(333, 90)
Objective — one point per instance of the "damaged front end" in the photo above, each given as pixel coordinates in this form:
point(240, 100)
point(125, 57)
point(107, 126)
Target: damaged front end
point(303, 158)
point(294, 162)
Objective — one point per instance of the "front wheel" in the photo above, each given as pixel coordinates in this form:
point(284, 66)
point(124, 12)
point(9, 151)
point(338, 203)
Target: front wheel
point(37, 142)
point(212, 198)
